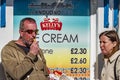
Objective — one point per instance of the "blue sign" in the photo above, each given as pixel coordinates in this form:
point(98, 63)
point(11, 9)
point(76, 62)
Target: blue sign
point(52, 7)
point(3, 13)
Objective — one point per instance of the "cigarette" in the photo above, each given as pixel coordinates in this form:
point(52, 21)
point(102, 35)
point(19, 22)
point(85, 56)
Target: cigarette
point(34, 40)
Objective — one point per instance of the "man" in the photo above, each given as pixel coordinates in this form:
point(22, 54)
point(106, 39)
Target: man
point(22, 59)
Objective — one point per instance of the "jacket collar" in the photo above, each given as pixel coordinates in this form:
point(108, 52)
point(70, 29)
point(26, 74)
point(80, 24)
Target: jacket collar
point(13, 44)
point(114, 56)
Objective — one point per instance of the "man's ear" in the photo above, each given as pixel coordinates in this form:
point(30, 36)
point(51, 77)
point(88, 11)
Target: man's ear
point(21, 33)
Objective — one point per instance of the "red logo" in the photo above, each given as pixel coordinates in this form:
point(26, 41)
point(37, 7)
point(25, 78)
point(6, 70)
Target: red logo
point(55, 24)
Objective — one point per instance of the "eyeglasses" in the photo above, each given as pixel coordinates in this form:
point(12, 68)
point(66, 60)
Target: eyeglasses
point(31, 31)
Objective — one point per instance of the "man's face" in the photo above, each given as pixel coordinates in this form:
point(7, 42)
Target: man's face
point(29, 33)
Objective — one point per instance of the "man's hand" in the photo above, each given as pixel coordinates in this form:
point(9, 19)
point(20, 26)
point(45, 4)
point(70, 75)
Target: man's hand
point(34, 48)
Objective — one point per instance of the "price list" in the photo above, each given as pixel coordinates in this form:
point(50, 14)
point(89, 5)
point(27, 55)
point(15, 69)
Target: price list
point(80, 64)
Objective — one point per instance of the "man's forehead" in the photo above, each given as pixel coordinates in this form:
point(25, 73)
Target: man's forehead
point(29, 21)
point(30, 25)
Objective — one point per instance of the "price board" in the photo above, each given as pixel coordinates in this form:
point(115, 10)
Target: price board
point(64, 34)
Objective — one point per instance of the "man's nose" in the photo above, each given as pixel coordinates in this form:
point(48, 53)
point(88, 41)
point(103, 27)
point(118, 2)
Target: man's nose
point(34, 34)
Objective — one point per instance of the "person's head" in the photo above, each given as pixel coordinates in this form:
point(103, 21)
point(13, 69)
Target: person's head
point(109, 42)
point(28, 30)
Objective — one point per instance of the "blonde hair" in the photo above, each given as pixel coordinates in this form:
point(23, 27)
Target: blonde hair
point(113, 36)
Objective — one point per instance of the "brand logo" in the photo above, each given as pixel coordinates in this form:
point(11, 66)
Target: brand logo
point(55, 24)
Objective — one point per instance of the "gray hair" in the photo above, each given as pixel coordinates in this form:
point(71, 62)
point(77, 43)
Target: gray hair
point(21, 26)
